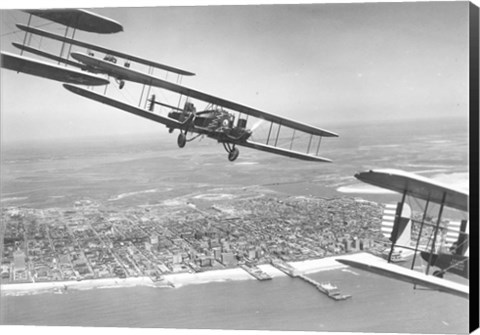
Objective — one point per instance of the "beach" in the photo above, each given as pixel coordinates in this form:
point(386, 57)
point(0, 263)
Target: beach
point(170, 280)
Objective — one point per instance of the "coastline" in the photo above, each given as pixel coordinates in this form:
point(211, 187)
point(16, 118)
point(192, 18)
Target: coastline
point(170, 280)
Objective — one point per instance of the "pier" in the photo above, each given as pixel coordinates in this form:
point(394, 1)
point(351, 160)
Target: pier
point(284, 267)
point(256, 272)
point(328, 289)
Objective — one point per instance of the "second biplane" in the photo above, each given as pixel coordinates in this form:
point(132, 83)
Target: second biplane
point(222, 120)
point(446, 244)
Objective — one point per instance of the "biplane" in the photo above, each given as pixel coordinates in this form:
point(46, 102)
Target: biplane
point(442, 244)
point(229, 123)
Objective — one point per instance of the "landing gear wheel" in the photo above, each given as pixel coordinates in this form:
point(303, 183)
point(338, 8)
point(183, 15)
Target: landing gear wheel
point(181, 140)
point(438, 273)
point(170, 130)
point(122, 83)
point(233, 154)
point(232, 151)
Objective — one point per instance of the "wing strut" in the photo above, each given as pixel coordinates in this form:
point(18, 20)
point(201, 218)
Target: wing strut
point(309, 143)
point(278, 133)
point(318, 146)
point(63, 43)
point(70, 47)
point(436, 231)
point(420, 233)
point(293, 137)
point(150, 71)
point(269, 132)
point(26, 33)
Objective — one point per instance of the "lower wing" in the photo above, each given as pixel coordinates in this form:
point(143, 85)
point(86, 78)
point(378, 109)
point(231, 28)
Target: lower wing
point(283, 152)
point(170, 123)
point(49, 71)
point(380, 266)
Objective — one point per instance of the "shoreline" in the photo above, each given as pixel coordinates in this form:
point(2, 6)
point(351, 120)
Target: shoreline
point(170, 280)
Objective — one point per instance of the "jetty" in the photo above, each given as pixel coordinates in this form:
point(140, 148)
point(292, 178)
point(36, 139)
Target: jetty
point(326, 288)
point(284, 267)
point(256, 272)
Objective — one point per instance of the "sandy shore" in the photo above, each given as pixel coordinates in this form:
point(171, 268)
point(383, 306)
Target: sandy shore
point(170, 280)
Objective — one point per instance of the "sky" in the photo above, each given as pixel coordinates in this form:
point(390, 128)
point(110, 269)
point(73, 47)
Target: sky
point(322, 64)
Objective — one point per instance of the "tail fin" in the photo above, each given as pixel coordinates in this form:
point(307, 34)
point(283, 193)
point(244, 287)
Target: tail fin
point(397, 227)
point(151, 104)
point(397, 230)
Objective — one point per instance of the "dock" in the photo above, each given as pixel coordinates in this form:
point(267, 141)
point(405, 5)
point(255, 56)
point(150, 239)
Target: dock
point(284, 267)
point(327, 288)
point(256, 272)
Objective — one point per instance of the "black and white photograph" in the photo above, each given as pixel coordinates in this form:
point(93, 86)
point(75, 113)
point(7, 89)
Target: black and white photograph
point(240, 167)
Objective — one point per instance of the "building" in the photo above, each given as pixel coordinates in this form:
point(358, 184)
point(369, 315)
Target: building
point(229, 259)
point(19, 260)
point(154, 239)
point(217, 253)
point(177, 258)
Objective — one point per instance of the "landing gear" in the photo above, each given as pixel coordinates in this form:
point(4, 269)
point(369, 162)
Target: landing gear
point(120, 83)
point(438, 273)
point(182, 139)
point(170, 130)
point(232, 155)
point(232, 151)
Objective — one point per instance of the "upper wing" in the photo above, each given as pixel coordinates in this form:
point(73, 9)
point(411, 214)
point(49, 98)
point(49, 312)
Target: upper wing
point(79, 19)
point(98, 48)
point(49, 71)
point(380, 266)
point(139, 77)
point(416, 186)
point(170, 123)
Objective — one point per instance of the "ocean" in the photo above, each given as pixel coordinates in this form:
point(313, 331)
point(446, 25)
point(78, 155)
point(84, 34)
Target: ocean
point(378, 305)
point(44, 175)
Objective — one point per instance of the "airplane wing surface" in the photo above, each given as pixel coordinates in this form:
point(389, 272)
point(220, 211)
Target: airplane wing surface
point(44, 54)
point(283, 152)
point(49, 71)
point(170, 123)
point(380, 266)
point(79, 19)
point(108, 51)
point(139, 77)
point(416, 186)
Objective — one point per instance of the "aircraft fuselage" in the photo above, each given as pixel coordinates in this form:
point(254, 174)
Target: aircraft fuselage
point(214, 123)
point(456, 264)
